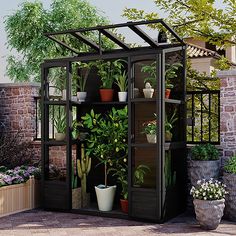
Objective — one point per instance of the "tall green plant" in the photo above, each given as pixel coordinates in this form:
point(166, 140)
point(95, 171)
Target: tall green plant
point(107, 70)
point(29, 41)
point(121, 81)
point(107, 140)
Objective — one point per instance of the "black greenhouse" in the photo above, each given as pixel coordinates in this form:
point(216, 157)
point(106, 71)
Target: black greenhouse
point(125, 133)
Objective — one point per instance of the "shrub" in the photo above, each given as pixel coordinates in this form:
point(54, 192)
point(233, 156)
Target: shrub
point(208, 190)
point(230, 166)
point(15, 152)
point(205, 152)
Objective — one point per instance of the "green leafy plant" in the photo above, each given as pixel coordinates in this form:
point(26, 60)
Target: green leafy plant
point(208, 190)
point(150, 127)
point(83, 70)
point(107, 140)
point(121, 81)
point(150, 69)
point(230, 165)
point(34, 47)
point(121, 172)
point(170, 121)
point(107, 71)
point(60, 121)
point(170, 73)
point(205, 152)
point(139, 173)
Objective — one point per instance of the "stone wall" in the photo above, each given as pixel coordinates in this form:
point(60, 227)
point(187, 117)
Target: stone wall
point(228, 112)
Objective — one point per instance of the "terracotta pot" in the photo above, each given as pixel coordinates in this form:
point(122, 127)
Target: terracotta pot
point(167, 93)
point(106, 95)
point(209, 213)
point(124, 205)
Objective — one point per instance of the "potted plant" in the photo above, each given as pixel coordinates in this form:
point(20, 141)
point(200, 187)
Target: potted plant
point(83, 72)
point(209, 202)
point(229, 178)
point(107, 141)
point(122, 82)
point(107, 71)
point(150, 128)
point(139, 173)
point(60, 125)
point(204, 163)
point(121, 172)
point(169, 126)
point(170, 73)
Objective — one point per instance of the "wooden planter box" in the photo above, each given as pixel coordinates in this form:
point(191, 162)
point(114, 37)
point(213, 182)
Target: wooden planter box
point(19, 197)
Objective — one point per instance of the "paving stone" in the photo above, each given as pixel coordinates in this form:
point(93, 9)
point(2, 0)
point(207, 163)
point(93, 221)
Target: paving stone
point(42, 223)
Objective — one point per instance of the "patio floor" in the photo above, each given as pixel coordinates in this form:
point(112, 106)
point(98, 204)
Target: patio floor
point(42, 223)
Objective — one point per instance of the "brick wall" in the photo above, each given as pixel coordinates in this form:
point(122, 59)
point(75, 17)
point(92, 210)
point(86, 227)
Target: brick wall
point(228, 112)
point(18, 112)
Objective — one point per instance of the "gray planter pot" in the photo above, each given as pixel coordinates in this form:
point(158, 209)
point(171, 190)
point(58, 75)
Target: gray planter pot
point(230, 198)
point(209, 213)
point(203, 170)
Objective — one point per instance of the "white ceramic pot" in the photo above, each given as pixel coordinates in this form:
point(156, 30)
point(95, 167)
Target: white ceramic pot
point(151, 138)
point(105, 197)
point(60, 136)
point(122, 96)
point(81, 96)
point(148, 92)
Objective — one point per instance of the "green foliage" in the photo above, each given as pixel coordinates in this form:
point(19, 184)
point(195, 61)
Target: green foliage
point(121, 172)
point(25, 34)
point(139, 173)
point(170, 73)
point(60, 120)
point(170, 121)
point(230, 166)
point(205, 152)
point(108, 70)
point(150, 127)
point(84, 69)
point(107, 140)
point(121, 81)
point(170, 176)
point(201, 19)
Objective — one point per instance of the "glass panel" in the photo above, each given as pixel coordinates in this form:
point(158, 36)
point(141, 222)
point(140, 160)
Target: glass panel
point(174, 80)
point(144, 167)
point(55, 168)
point(174, 126)
point(144, 71)
point(143, 115)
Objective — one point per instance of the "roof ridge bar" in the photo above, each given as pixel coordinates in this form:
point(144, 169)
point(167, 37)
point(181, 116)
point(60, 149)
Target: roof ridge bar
point(98, 27)
point(114, 38)
point(143, 35)
point(85, 40)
